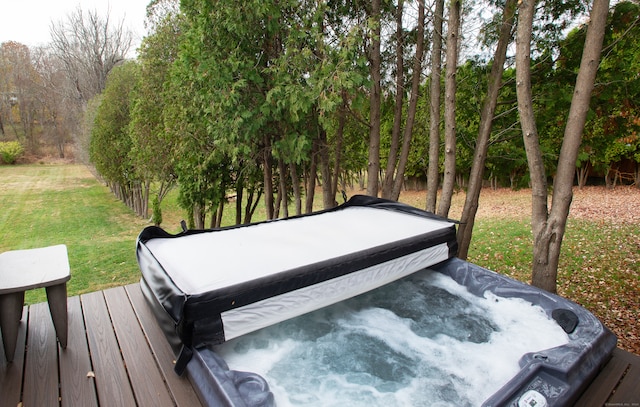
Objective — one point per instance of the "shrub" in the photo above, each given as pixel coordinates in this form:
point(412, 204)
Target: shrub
point(10, 151)
point(156, 216)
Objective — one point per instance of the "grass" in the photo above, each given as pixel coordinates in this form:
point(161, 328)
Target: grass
point(503, 246)
point(52, 204)
point(601, 255)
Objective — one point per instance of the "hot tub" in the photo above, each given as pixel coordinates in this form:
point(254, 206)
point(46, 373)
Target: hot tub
point(239, 322)
point(209, 286)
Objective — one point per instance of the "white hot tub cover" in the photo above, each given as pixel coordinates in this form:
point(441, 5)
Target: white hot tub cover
point(209, 286)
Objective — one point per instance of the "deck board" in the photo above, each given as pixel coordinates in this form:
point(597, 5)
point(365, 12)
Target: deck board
point(77, 388)
point(114, 335)
point(627, 392)
point(179, 386)
point(596, 396)
point(147, 383)
point(41, 364)
point(11, 373)
point(109, 372)
point(613, 385)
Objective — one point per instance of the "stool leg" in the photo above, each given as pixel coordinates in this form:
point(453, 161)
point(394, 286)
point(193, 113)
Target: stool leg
point(10, 314)
point(57, 298)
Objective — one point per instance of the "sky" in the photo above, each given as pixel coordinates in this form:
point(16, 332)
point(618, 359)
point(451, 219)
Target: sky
point(28, 21)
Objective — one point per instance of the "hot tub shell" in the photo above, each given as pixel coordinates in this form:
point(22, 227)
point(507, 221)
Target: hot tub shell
point(198, 311)
point(559, 374)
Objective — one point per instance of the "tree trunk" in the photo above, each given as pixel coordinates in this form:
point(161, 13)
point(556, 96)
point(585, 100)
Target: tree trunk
point(239, 198)
point(450, 109)
point(413, 105)
point(295, 183)
point(387, 183)
point(433, 172)
point(216, 214)
point(268, 178)
point(342, 116)
point(582, 174)
point(311, 178)
point(276, 205)
point(252, 204)
point(282, 190)
point(328, 200)
point(373, 167)
point(530, 133)
point(145, 199)
point(548, 228)
point(199, 215)
point(470, 209)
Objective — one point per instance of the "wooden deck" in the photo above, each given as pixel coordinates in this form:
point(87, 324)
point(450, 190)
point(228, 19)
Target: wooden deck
point(118, 356)
point(617, 384)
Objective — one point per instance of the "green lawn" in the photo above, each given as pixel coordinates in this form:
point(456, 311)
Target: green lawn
point(44, 205)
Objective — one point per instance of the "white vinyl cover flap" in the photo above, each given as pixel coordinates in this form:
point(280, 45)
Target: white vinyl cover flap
point(240, 321)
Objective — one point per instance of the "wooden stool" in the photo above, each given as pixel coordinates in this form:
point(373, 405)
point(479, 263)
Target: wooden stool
point(22, 270)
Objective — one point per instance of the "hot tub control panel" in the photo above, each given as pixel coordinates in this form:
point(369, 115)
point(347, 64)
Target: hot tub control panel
point(532, 399)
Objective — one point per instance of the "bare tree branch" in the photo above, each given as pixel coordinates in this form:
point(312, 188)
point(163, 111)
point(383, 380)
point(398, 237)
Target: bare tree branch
point(89, 46)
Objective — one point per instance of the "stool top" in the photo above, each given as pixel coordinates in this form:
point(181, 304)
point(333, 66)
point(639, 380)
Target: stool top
point(22, 270)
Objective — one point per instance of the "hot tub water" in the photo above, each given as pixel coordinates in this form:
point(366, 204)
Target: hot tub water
point(423, 340)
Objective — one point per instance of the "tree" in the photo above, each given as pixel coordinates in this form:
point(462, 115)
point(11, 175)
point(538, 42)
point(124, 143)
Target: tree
point(153, 151)
point(278, 100)
point(111, 143)
point(548, 227)
point(375, 97)
point(612, 134)
point(399, 147)
point(19, 84)
point(56, 113)
point(413, 103)
point(453, 30)
point(387, 182)
point(89, 46)
point(433, 178)
point(225, 121)
point(486, 119)
point(315, 79)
